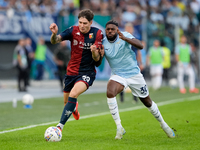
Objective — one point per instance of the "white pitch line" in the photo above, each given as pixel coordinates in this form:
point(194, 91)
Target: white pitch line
point(106, 113)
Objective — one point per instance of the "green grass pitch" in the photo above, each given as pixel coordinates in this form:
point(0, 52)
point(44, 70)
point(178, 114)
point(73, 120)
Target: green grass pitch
point(181, 112)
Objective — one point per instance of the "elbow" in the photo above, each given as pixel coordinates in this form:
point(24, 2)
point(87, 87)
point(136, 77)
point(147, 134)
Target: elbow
point(97, 65)
point(53, 42)
point(140, 46)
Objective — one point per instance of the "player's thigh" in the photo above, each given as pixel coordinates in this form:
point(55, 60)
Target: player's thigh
point(78, 88)
point(156, 70)
point(82, 83)
point(152, 70)
point(113, 88)
point(180, 69)
point(69, 82)
point(115, 85)
point(138, 86)
point(190, 71)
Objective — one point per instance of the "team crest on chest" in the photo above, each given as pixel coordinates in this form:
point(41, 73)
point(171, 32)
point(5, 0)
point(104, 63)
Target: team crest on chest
point(90, 35)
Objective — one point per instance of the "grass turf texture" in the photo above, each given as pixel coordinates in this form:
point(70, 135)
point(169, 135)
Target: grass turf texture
point(143, 131)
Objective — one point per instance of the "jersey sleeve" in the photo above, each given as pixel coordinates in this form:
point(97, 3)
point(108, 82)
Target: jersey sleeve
point(67, 34)
point(99, 38)
point(128, 35)
point(177, 49)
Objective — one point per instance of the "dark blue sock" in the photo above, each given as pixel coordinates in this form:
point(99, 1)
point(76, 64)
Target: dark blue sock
point(68, 109)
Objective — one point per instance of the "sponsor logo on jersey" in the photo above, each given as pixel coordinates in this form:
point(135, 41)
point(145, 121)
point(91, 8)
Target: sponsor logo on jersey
point(82, 44)
point(118, 42)
point(75, 42)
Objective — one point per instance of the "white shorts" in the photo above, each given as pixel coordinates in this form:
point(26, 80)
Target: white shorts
point(156, 70)
point(136, 83)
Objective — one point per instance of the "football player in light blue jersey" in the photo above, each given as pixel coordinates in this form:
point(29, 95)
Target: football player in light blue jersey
point(126, 73)
point(119, 52)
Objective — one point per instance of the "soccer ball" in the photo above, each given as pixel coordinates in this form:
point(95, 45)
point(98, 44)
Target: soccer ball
point(53, 134)
point(173, 83)
point(27, 99)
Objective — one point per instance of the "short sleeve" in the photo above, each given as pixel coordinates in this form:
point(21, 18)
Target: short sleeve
point(99, 38)
point(128, 35)
point(177, 50)
point(67, 34)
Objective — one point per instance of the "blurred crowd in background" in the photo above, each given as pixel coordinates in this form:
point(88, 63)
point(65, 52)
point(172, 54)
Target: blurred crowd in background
point(161, 15)
point(163, 20)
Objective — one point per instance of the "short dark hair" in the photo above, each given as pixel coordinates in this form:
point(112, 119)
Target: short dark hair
point(86, 13)
point(112, 22)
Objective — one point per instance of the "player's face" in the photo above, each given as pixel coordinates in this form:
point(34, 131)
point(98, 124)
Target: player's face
point(183, 39)
point(84, 25)
point(28, 41)
point(111, 31)
point(156, 43)
point(129, 29)
point(22, 42)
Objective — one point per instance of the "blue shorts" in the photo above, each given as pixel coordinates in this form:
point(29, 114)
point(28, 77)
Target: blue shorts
point(69, 81)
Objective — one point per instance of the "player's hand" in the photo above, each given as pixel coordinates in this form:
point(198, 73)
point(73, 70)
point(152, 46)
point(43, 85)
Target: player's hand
point(93, 48)
point(95, 52)
point(54, 28)
point(101, 51)
point(141, 67)
point(121, 36)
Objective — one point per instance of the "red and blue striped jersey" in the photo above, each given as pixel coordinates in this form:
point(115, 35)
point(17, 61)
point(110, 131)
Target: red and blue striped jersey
point(81, 56)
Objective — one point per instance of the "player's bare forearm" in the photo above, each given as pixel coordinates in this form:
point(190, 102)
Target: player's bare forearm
point(98, 63)
point(101, 53)
point(96, 56)
point(177, 58)
point(135, 42)
point(55, 39)
point(95, 52)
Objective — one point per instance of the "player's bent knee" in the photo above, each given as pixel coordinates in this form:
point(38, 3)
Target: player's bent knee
point(111, 93)
point(73, 95)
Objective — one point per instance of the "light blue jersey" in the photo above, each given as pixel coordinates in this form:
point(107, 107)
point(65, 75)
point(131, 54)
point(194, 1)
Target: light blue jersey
point(121, 57)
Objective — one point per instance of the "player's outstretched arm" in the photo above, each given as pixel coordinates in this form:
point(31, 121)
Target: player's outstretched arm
point(54, 37)
point(135, 42)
